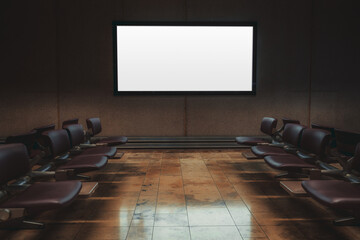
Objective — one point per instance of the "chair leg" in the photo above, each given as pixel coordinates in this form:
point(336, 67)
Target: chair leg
point(349, 221)
point(285, 175)
point(21, 224)
point(118, 155)
point(84, 177)
point(290, 175)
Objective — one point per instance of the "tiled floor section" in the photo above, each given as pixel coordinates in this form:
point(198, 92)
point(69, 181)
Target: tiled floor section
point(175, 194)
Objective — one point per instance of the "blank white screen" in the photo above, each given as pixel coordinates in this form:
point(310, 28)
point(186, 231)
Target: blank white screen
point(184, 58)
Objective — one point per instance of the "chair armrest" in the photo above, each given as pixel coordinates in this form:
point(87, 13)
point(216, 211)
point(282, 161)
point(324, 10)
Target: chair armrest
point(306, 156)
point(11, 213)
point(274, 144)
point(75, 151)
point(290, 149)
point(87, 145)
point(16, 187)
point(332, 172)
point(42, 174)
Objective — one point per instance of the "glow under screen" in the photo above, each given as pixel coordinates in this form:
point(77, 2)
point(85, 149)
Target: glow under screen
point(156, 59)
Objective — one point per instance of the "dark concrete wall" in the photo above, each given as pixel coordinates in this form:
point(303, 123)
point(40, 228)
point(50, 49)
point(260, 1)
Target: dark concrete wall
point(28, 91)
point(58, 64)
point(335, 64)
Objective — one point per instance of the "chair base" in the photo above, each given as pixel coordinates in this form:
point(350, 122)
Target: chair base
point(294, 188)
point(291, 175)
point(70, 174)
point(349, 221)
point(21, 224)
point(88, 188)
point(249, 155)
point(118, 155)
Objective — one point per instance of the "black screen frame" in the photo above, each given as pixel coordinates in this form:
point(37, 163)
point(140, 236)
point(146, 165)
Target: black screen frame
point(136, 23)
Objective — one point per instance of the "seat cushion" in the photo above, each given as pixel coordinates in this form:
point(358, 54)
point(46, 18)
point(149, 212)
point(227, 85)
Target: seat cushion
point(45, 196)
point(112, 141)
point(287, 162)
point(252, 141)
point(103, 150)
point(262, 151)
point(85, 163)
point(334, 193)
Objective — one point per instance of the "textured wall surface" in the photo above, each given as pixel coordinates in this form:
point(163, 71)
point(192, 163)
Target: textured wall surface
point(57, 63)
point(335, 75)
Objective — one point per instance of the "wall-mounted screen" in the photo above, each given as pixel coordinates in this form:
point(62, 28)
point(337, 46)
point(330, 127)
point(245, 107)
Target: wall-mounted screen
point(184, 58)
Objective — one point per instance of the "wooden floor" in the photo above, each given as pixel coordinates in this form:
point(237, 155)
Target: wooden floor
point(189, 194)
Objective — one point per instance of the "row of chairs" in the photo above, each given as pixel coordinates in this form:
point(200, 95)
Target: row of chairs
point(41, 170)
point(316, 153)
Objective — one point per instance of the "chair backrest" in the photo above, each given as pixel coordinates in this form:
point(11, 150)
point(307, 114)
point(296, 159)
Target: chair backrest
point(28, 139)
point(94, 125)
point(14, 162)
point(70, 122)
point(76, 134)
point(355, 164)
point(315, 141)
point(39, 130)
point(58, 141)
point(292, 133)
point(288, 120)
point(44, 128)
point(268, 125)
point(331, 130)
point(346, 141)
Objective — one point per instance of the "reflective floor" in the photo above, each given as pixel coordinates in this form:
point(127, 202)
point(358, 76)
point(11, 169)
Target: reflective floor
point(189, 194)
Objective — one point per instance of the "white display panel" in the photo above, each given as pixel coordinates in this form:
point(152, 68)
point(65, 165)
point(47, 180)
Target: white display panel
point(184, 58)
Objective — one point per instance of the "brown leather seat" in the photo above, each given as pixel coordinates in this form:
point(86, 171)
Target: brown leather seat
point(287, 162)
point(334, 193)
point(43, 196)
point(85, 163)
point(102, 150)
point(77, 137)
point(94, 125)
point(291, 136)
point(338, 193)
point(262, 151)
point(59, 143)
point(313, 141)
point(39, 197)
point(268, 126)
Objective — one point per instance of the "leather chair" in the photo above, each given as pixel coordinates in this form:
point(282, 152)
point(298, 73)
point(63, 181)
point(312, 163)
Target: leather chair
point(286, 121)
point(28, 139)
point(40, 142)
point(32, 199)
point(291, 137)
point(41, 129)
point(312, 149)
point(346, 141)
point(70, 122)
point(339, 194)
point(329, 129)
point(59, 143)
point(94, 128)
point(77, 137)
point(268, 126)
